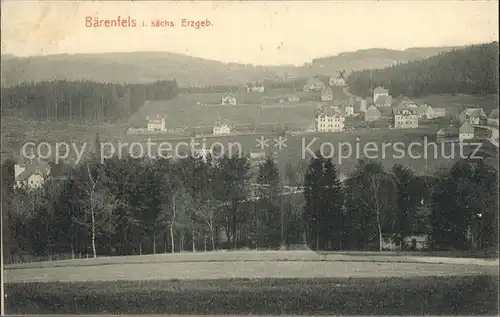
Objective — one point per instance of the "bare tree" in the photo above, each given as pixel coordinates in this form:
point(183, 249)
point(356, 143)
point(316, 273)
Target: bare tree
point(207, 213)
point(101, 205)
point(378, 195)
point(91, 193)
point(177, 209)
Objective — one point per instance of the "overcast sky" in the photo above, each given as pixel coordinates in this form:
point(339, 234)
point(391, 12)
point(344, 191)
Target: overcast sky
point(250, 32)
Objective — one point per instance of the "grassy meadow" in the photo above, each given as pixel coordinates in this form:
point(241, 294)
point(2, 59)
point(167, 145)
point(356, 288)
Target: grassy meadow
point(466, 295)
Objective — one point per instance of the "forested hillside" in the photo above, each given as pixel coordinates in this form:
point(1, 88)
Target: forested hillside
point(470, 70)
point(83, 100)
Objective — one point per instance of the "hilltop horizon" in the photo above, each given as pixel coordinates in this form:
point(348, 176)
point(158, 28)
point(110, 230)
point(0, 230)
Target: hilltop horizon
point(194, 56)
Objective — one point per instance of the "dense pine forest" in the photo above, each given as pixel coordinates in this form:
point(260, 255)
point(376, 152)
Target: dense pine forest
point(135, 206)
point(84, 100)
point(472, 70)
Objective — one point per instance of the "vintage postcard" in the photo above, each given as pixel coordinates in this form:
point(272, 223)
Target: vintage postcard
point(249, 157)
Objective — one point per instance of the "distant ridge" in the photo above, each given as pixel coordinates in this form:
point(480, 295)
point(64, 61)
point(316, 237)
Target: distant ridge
point(142, 67)
point(376, 58)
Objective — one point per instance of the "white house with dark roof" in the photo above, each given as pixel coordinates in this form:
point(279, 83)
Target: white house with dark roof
point(157, 124)
point(379, 91)
point(473, 116)
point(31, 176)
point(449, 134)
point(228, 99)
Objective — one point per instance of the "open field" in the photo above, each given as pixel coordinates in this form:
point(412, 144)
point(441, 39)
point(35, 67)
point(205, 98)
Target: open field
point(456, 257)
point(206, 116)
point(465, 295)
point(202, 109)
point(246, 264)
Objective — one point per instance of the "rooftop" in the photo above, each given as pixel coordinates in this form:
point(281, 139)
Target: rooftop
point(404, 111)
point(380, 90)
point(474, 112)
point(466, 128)
point(450, 131)
point(372, 108)
point(40, 167)
point(328, 112)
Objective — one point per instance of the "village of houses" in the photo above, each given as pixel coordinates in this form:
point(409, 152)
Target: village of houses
point(331, 115)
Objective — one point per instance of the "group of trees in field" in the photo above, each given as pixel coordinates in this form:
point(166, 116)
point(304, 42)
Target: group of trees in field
point(472, 70)
point(138, 206)
point(83, 100)
point(457, 210)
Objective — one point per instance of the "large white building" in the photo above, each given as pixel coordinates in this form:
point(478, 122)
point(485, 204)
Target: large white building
point(405, 118)
point(330, 121)
point(157, 124)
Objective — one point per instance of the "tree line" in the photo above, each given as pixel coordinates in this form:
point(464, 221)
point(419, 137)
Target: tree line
point(471, 70)
point(138, 206)
point(83, 100)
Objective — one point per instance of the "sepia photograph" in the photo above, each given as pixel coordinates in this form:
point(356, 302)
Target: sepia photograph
point(249, 158)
